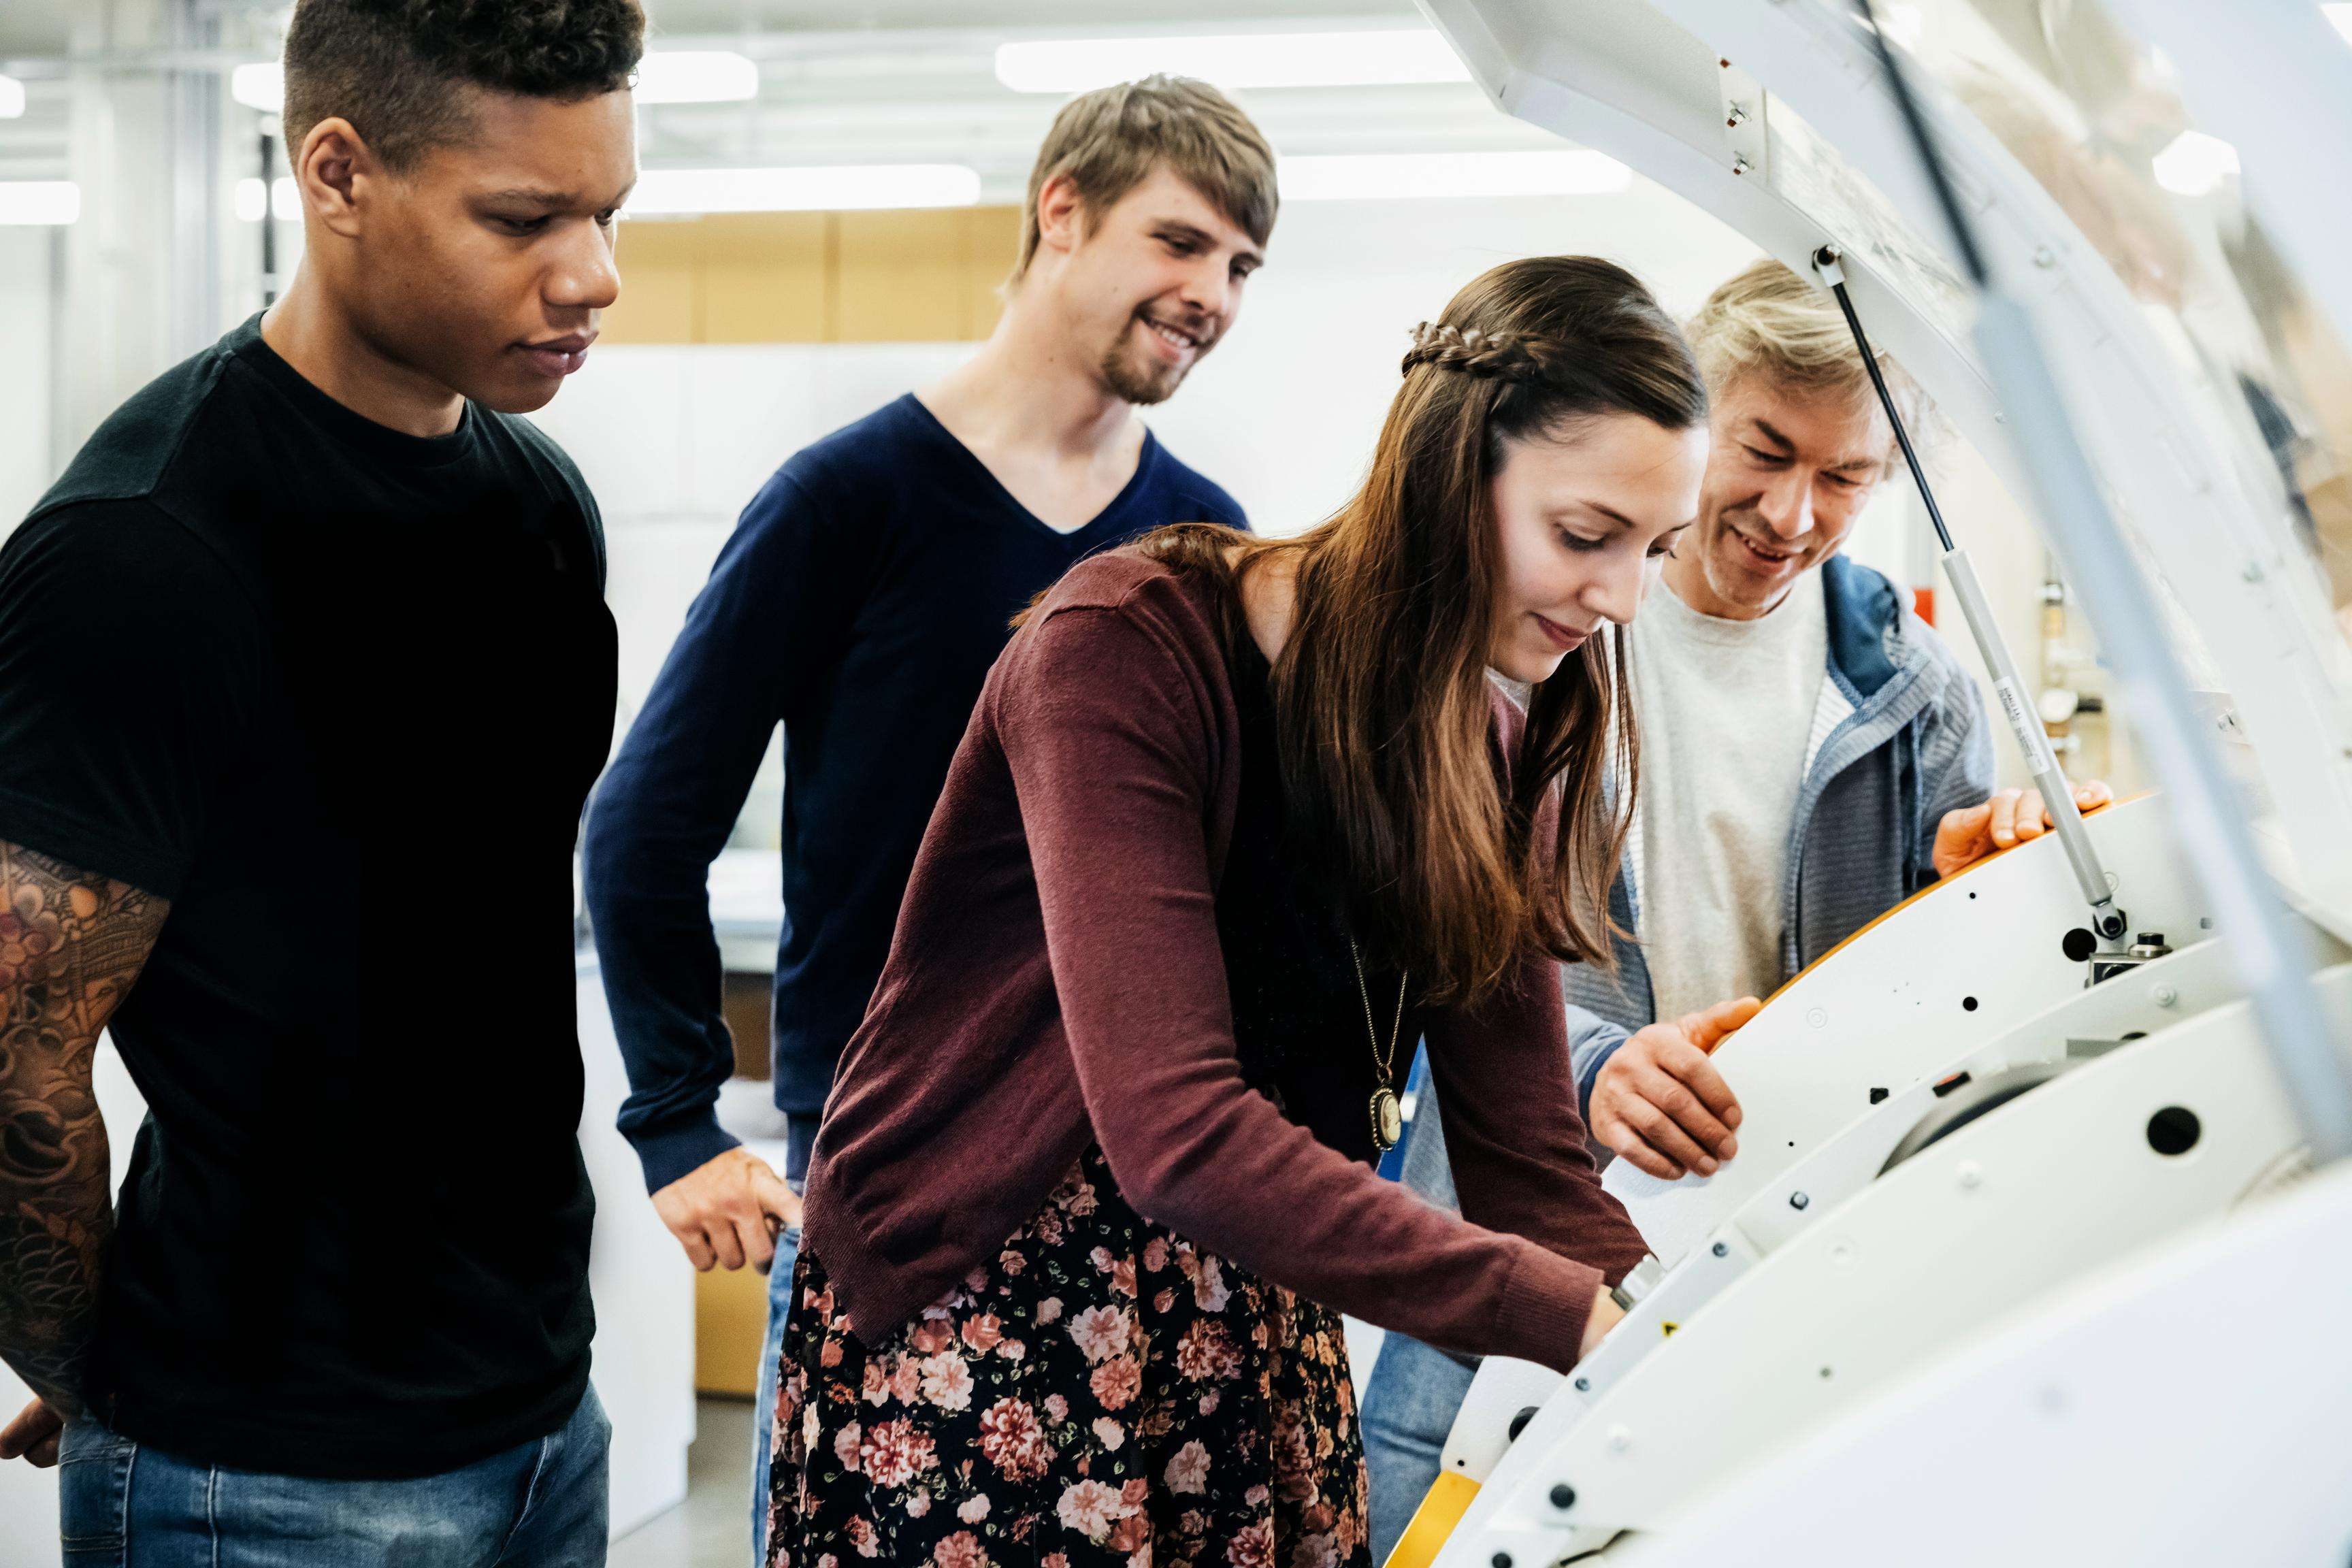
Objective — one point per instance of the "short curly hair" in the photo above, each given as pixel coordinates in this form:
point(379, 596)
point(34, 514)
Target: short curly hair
point(389, 66)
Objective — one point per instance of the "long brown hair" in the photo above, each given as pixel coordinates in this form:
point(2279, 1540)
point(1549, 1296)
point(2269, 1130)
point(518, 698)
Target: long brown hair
point(1382, 703)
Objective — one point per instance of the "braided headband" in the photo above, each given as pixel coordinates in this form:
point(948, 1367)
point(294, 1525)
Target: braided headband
point(1503, 356)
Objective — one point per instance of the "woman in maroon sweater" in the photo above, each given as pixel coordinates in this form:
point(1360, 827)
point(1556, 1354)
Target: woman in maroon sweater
point(1233, 822)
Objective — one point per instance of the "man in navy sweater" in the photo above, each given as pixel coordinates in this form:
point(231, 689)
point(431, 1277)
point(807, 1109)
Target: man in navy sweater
point(860, 603)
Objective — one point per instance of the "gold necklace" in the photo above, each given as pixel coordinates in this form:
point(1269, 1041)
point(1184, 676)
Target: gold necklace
point(1388, 1116)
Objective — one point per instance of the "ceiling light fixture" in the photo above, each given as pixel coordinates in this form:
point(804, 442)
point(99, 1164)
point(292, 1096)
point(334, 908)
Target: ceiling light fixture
point(1375, 176)
point(838, 188)
point(12, 98)
point(697, 76)
point(43, 203)
point(260, 86)
point(1375, 57)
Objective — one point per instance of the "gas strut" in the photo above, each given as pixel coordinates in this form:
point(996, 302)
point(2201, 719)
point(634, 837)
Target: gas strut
point(2108, 923)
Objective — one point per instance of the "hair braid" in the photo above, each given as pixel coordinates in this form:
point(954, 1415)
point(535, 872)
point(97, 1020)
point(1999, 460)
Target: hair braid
point(1501, 356)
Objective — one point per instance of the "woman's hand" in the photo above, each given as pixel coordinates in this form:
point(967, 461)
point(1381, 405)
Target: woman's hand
point(1659, 1102)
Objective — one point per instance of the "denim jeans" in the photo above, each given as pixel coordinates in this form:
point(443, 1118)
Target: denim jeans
point(1409, 1407)
point(541, 1504)
point(764, 1406)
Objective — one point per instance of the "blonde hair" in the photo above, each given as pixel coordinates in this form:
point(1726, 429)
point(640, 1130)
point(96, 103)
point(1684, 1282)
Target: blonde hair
point(1767, 320)
point(1109, 142)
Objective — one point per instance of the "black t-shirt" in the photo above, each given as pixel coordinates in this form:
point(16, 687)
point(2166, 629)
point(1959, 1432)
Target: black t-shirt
point(339, 694)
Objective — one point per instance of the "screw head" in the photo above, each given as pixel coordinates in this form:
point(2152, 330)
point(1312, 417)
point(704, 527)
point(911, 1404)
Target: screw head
point(2166, 996)
point(1564, 1496)
point(1971, 1176)
point(1799, 1201)
point(1583, 1385)
point(1502, 1560)
point(1721, 1249)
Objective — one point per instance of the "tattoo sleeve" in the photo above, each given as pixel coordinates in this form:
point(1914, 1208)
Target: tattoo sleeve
point(70, 945)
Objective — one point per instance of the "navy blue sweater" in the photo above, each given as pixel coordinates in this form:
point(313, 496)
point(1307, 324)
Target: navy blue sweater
point(860, 604)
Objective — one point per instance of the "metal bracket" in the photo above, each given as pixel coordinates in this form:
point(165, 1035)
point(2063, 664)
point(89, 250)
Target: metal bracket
point(1745, 118)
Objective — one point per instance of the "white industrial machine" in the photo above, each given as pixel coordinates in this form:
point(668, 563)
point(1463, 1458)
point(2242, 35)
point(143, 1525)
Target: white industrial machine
point(2019, 1153)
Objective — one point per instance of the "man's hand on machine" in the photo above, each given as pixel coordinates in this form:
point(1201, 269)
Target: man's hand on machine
point(1659, 1102)
point(727, 1212)
point(2011, 817)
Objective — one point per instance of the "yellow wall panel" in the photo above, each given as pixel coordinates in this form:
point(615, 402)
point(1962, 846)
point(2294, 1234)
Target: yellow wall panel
point(731, 1329)
point(660, 271)
point(657, 303)
point(901, 276)
point(992, 243)
point(766, 278)
point(798, 277)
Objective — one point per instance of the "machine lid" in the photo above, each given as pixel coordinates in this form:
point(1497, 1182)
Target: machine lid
point(2207, 372)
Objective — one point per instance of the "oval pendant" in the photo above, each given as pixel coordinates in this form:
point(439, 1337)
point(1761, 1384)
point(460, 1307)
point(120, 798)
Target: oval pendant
point(1388, 1119)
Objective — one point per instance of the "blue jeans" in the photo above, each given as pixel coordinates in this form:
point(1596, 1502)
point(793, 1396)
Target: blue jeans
point(541, 1504)
point(1409, 1407)
point(763, 1411)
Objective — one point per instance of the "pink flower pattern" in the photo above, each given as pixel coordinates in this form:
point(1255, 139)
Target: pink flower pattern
point(1100, 1393)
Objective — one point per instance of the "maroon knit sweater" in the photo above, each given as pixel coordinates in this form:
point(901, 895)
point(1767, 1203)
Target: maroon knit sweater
point(1056, 978)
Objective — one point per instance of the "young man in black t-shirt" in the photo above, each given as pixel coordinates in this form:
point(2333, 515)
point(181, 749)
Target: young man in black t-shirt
point(305, 672)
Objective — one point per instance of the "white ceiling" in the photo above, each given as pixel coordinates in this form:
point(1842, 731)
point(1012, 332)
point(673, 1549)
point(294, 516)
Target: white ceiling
point(41, 27)
point(857, 81)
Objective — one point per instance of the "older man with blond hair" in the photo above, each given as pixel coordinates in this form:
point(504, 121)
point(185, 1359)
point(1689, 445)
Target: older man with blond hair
point(1811, 754)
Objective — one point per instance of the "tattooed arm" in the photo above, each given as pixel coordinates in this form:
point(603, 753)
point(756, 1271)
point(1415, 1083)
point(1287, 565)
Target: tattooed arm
point(70, 945)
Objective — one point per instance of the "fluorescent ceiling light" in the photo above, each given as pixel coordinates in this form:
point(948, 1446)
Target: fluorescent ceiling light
point(2195, 164)
point(49, 204)
point(1572, 172)
point(261, 86)
point(12, 98)
point(2342, 17)
point(843, 187)
point(664, 76)
point(697, 76)
point(285, 200)
point(1368, 58)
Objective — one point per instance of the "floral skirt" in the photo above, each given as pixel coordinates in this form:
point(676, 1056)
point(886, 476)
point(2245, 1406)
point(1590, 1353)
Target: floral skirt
point(1101, 1392)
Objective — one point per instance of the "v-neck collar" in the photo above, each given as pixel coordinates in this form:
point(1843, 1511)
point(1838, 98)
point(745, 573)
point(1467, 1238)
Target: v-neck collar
point(1075, 538)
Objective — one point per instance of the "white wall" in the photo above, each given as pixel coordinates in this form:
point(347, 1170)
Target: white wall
point(1284, 414)
point(26, 460)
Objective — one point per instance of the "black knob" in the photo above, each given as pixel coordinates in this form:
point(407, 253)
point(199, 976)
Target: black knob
point(1564, 1496)
point(1502, 1560)
point(2079, 945)
point(1519, 1422)
point(2150, 939)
